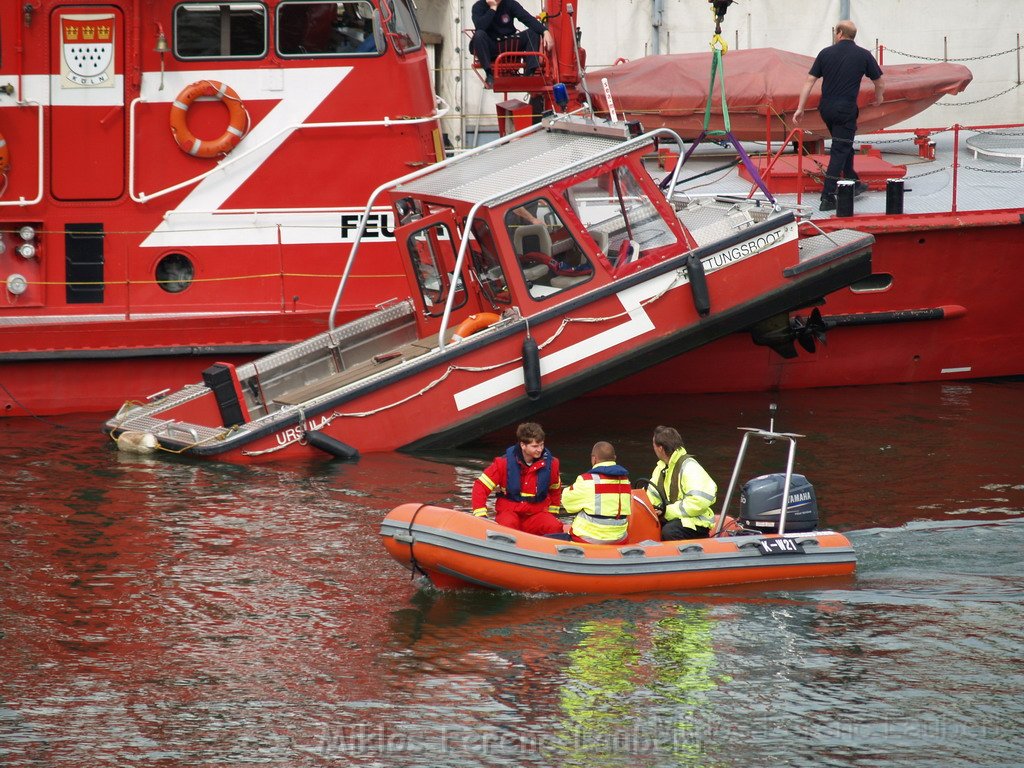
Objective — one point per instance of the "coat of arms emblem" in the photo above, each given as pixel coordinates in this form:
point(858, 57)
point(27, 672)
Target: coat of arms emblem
point(87, 47)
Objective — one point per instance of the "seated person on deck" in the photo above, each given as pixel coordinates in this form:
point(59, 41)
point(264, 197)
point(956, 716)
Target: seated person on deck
point(496, 33)
point(601, 499)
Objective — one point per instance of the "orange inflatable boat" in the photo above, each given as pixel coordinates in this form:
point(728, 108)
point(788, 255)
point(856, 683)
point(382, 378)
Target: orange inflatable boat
point(456, 550)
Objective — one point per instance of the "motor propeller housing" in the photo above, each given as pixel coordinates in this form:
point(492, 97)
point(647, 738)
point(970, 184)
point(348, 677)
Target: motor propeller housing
point(782, 332)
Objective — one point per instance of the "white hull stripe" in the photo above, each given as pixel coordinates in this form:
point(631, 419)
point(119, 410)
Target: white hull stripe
point(299, 93)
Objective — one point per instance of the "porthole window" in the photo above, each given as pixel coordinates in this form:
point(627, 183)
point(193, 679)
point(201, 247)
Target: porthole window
point(175, 272)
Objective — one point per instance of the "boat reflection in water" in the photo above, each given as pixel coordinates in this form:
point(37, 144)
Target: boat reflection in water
point(581, 682)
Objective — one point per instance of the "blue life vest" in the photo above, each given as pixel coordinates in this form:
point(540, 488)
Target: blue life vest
point(513, 475)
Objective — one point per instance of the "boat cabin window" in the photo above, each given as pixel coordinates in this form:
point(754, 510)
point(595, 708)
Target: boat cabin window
point(349, 28)
point(548, 254)
point(402, 25)
point(220, 31)
point(431, 250)
point(483, 256)
point(619, 216)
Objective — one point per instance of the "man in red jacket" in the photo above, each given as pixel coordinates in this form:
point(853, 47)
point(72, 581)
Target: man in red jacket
point(526, 484)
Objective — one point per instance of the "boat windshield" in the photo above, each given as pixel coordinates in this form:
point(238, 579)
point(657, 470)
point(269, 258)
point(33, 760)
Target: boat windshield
point(403, 26)
point(484, 258)
point(548, 254)
point(616, 212)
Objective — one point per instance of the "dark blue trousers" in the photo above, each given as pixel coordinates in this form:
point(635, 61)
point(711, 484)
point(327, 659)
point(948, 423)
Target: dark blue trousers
point(841, 120)
point(487, 48)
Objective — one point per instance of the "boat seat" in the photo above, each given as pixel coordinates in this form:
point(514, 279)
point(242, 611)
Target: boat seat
point(568, 281)
point(541, 243)
point(538, 231)
point(535, 272)
point(643, 520)
point(354, 373)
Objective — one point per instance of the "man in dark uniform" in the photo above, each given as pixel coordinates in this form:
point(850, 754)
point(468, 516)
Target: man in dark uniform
point(840, 67)
point(494, 21)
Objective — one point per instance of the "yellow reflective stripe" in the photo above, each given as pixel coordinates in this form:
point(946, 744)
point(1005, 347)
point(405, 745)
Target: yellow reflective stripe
point(604, 522)
point(708, 496)
point(487, 481)
point(602, 530)
point(481, 512)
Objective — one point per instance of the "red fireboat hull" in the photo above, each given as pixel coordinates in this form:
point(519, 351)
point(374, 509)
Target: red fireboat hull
point(125, 255)
point(936, 308)
point(972, 332)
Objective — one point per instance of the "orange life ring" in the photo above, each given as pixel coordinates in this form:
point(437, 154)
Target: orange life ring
point(5, 155)
point(474, 323)
point(238, 119)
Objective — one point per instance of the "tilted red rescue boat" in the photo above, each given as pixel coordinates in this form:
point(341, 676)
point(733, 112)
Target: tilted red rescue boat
point(589, 269)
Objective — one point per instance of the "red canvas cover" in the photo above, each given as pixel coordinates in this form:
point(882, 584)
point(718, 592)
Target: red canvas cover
point(671, 90)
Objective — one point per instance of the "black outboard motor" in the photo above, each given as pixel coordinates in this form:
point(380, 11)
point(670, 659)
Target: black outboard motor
point(761, 504)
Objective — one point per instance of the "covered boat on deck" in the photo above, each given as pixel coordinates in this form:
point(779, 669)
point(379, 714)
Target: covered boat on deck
point(762, 90)
point(560, 265)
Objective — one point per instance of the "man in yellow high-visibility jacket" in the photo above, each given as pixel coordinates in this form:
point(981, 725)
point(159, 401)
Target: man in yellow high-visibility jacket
point(680, 489)
point(601, 498)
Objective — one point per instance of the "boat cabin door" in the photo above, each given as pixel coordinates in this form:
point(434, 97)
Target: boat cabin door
point(87, 102)
point(431, 245)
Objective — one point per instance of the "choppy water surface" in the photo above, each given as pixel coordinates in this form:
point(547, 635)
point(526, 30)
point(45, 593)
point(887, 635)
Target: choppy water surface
point(160, 612)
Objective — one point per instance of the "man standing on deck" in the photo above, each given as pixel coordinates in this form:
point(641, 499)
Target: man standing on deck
point(841, 67)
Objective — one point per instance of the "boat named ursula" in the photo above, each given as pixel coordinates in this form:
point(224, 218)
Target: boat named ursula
point(775, 538)
point(559, 263)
